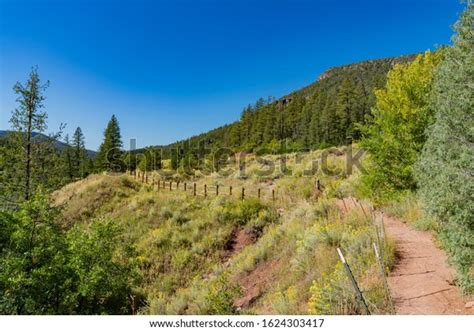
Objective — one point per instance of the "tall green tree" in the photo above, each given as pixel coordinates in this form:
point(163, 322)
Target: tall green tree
point(29, 157)
point(445, 171)
point(79, 154)
point(148, 161)
point(109, 157)
point(68, 158)
point(28, 118)
point(396, 135)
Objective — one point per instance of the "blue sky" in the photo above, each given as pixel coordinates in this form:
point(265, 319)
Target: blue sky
point(171, 69)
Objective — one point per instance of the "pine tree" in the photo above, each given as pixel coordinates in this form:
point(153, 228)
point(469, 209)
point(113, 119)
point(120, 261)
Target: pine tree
point(246, 126)
point(235, 135)
point(68, 158)
point(79, 153)
point(349, 108)
point(109, 157)
point(27, 119)
point(446, 168)
point(150, 160)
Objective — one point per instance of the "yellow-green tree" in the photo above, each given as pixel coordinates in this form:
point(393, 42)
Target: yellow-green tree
point(396, 133)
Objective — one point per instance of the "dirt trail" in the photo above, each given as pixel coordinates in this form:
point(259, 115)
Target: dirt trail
point(422, 283)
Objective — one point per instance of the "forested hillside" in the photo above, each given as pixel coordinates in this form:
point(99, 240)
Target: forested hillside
point(152, 232)
point(325, 113)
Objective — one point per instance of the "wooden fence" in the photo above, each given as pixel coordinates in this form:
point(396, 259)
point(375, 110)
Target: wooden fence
point(205, 190)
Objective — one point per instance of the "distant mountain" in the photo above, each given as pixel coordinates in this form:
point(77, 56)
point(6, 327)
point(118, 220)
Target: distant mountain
point(59, 144)
point(324, 113)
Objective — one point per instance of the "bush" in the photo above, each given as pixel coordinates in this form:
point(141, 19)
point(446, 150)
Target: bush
point(102, 264)
point(446, 167)
point(240, 212)
point(332, 294)
point(48, 270)
point(35, 277)
point(220, 298)
point(166, 213)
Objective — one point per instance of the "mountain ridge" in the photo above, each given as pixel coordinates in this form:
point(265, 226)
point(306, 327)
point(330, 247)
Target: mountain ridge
point(323, 113)
point(58, 144)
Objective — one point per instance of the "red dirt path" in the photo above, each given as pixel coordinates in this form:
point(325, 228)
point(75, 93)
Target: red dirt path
point(422, 282)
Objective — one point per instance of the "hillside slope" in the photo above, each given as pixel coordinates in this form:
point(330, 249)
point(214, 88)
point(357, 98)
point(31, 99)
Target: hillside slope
point(324, 113)
point(219, 254)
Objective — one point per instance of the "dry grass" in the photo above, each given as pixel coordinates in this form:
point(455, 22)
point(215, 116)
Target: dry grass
point(183, 241)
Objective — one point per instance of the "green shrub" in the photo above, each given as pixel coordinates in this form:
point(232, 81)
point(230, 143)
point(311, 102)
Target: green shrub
point(180, 218)
point(332, 294)
point(285, 302)
point(446, 167)
point(221, 295)
point(166, 213)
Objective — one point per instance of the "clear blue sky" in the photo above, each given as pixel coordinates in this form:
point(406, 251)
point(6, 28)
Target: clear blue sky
point(171, 69)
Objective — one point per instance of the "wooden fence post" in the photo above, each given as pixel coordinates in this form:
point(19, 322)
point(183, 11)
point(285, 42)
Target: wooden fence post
point(354, 282)
point(230, 190)
point(159, 184)
point(217, 189)
point(243, 193)
point(258, 194)
point(194, 189)
point(177, 184)
point(273, 195)
point(171, 183)
point(205, 190)
point(185, 186)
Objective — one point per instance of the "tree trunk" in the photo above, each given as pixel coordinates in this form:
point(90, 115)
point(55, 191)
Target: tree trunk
point(28, 153)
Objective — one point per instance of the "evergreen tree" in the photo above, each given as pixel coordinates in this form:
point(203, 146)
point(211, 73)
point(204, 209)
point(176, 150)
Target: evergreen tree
point(235, 135)
point(260, 103)
point(68, 158)
point(446, 167)
point(27, 119)
point(79, 153)
point(176, 155)
point(348, 109)
point(109, 157)
point(29, 157)
point(150, 160)
point(131, 160)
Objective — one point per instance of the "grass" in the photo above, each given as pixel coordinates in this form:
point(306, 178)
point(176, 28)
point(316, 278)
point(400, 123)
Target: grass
point(407, 207)
point(183, 242)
